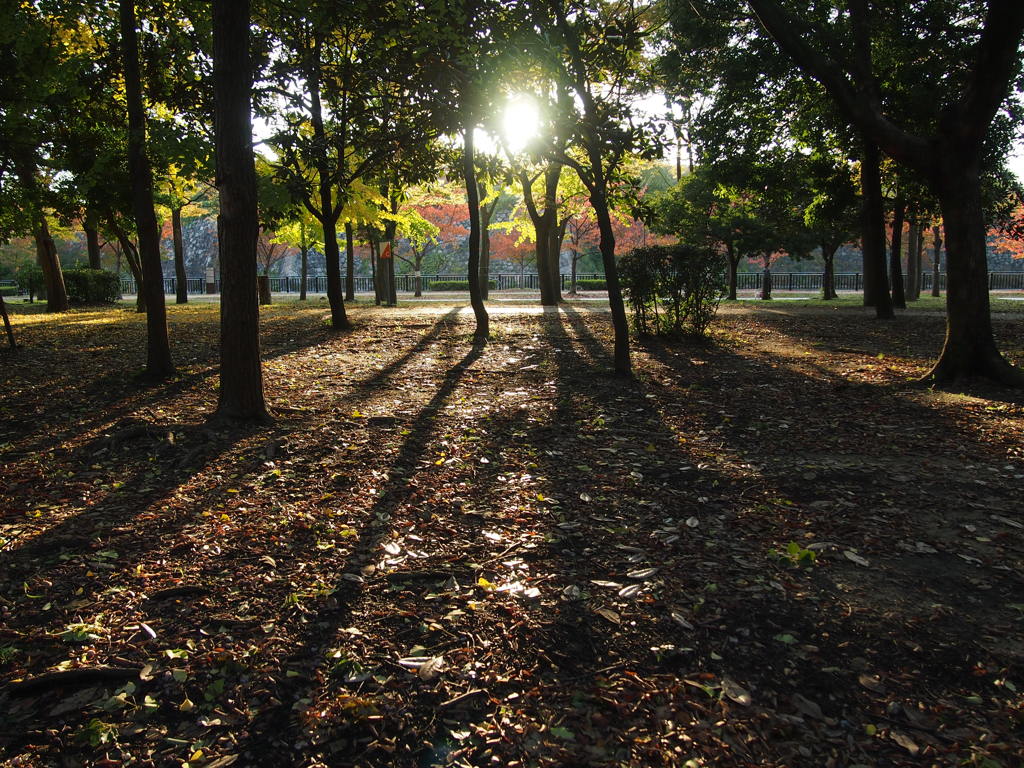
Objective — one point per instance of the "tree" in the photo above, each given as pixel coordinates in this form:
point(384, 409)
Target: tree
point(158, 349)
point(949, 154)
point(241, 376)
point(598, 61)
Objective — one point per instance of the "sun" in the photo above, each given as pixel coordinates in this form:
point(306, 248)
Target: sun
point(521, 123)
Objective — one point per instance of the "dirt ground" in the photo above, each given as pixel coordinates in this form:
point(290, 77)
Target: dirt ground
point(764, 550)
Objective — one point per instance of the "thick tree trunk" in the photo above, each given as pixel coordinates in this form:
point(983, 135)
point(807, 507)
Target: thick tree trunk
point(158, 349)
point(482, 331)
point(620, 323)
point(899, 300)
point(241, 375)
point(350, 263)
point(180, 276)
point(876, 288)
point(332, 257)
point(46, 255)
point(92, 243)
point(970, 348)
point(263, 294)
point(936, 259)
point(828, 280)
point(766, 284)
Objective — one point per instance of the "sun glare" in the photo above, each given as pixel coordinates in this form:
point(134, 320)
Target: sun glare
point(520, 123)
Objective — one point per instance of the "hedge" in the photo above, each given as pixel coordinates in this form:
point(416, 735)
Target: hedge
point(10, 290)
point(92, 286)
point(456, 285)
point(591, 285)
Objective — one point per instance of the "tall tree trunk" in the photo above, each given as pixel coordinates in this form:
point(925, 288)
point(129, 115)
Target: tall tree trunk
point(241, 375)
point(936, 259)
point(375, 271)
point(46, 255)
point(350, 263)
point(482, 331)
point(329, 218)
point(304, 250)
point(180, 276)
point(969, 348)
point(620, 324)
point(92, 242)
point(899, 299)
point(876, 288)
point(828, 280)
point(914, 260)
point(158, 349)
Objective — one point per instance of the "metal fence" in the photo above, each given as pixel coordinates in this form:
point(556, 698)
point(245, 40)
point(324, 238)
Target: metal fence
point(745, 281)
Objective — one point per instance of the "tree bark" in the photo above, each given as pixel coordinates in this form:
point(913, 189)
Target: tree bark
point(899, 299)
point(46, 250)
point(180, 276)
point(350, 263)
point(486, 212)
point(620, 323)
point(328, 218)
point(92, 243)
point(734, 263)
point(304, 250)
point(876, 288)
point(969, 348)
point(158, 349)
point(131, 256)
point(766, 283)
point(46, 255)
point(914, 261)
point(241, 374)
point(828, 280)
point(7, 324)
point(482, 331)
point(936, 259)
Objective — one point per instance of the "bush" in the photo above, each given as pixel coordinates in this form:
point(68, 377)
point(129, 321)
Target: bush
point(591, 285)
point(9, 290)
point(456, 285)
point(92, 286)
point(31, 281)
point(672, 289)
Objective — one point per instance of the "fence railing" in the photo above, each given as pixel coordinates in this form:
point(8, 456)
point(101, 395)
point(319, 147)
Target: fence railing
point(745, 281)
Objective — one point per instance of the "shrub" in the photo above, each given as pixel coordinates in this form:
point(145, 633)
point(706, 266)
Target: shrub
point(591, 285)
point(31, 281)
point(672, 289)
point(9, 290)
point(92, 286)
point(456, 285)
